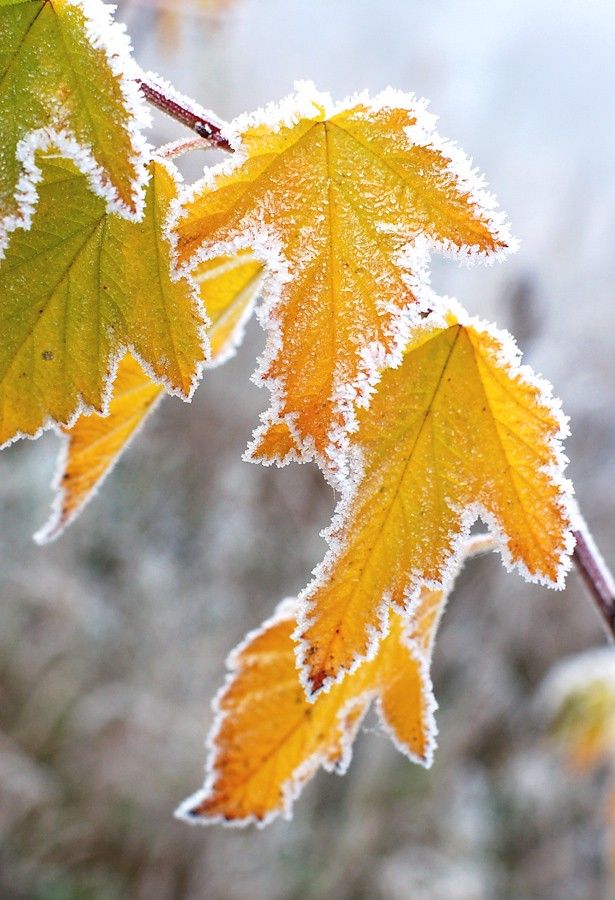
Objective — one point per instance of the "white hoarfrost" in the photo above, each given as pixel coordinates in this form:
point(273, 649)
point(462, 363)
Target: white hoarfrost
point(509, 358)
point(266, 243)
point(290, 790)
point(284, 612)
point(168, 90)
point(111, 38)
point(57, 524)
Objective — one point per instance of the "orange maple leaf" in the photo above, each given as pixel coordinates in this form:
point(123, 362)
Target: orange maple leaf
point(268, 741)
point(343, 202)
point(458, 431)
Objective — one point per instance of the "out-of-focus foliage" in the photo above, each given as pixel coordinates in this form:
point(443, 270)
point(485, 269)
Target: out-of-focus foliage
point(579, 695)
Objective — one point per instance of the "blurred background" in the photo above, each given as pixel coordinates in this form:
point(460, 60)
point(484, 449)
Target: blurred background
point(113, 640)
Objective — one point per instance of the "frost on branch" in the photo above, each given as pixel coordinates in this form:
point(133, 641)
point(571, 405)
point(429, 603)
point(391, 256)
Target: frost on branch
point(67, 80)
point(268, 741)
point(94, 443)
point(459, 430)
point(80, 288)
point(343, 202)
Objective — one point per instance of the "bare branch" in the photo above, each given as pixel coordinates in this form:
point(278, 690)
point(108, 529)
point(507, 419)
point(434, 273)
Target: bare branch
point(596, 576)
point(210, 131)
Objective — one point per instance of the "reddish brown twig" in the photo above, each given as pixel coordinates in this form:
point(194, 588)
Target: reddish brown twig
point(210, 131)
point(596, 576)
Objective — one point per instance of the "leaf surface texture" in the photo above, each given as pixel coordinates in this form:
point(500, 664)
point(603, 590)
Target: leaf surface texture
point(94, 443)
point(457, 431)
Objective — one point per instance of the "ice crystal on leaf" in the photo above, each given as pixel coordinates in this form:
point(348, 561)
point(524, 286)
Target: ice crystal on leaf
point(459, 430)
point(343, 203)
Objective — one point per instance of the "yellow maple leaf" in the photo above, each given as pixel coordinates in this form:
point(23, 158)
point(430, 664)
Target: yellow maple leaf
point(343, 202)
point(81, 287)
point(67, 80)
point(268, 741)
point(277, 444)
point(94, 443)
point(459, 430)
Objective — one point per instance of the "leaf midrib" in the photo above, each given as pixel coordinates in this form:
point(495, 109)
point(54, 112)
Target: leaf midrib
point(358, 584)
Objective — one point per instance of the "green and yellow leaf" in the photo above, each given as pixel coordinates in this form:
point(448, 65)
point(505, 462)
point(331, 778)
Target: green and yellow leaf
point(79, 289)
point(458, 431)
point(343, 203)
point(67, 80)
point(94, 443)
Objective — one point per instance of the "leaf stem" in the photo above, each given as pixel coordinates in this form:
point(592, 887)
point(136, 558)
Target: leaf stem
point(181, 112)
point(596, 576)
point(178, 148)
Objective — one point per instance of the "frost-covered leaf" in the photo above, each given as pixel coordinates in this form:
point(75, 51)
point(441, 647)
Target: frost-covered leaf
point(343, 202)
point(81, 287)
point(95, 443)
point(66, 78)
point(457, 431)
point(268, 740)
